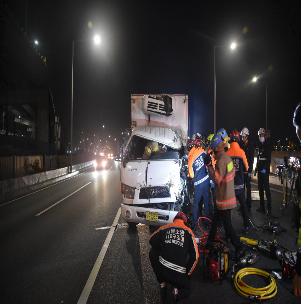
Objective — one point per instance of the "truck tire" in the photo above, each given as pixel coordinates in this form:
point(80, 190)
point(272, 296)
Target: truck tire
point(132, 225)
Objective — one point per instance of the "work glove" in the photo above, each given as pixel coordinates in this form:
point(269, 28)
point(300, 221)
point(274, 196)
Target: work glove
point(263, 171)
point(207, 159)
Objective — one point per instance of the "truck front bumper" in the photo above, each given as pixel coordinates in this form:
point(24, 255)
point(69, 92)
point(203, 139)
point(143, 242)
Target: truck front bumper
point(138, 214)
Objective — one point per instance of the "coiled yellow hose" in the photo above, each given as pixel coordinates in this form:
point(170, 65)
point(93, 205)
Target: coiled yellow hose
point(263, 293)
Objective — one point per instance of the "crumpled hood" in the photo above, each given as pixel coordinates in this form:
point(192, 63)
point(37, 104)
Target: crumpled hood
point(163, 135)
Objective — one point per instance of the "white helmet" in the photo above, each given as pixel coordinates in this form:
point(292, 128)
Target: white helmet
point(245, 132)
point(261, 130)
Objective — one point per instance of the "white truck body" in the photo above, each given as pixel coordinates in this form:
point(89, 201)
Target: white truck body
point(153, 190)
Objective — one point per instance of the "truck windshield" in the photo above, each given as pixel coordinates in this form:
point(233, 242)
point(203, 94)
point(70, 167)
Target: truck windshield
point(143, 149)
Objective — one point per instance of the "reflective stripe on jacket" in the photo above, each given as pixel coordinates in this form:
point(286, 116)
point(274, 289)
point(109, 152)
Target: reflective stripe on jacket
point(176, 246)
point(196, 165)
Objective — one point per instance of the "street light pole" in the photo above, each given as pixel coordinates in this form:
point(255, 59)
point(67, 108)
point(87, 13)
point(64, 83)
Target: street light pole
point(214, 94)
point(266, 98)
point(72, 105)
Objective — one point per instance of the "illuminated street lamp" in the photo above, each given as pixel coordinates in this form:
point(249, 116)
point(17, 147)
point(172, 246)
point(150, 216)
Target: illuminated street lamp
point(97, 39)
point(233, 47)
point(254, 79)
point(36, 42)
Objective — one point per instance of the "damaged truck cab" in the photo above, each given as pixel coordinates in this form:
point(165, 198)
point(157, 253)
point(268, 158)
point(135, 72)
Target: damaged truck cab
point(153, 183)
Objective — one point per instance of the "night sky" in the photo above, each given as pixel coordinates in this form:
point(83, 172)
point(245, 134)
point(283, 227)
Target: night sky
point(167, 46)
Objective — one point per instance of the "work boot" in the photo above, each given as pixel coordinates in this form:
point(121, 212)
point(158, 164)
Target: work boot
point(175, 294)
point(261, 209)
point(163, 294)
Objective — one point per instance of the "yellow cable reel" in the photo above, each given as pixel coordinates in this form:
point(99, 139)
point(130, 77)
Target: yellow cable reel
point(262, 293)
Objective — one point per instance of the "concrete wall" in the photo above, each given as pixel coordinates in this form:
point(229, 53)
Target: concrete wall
point(16, 187)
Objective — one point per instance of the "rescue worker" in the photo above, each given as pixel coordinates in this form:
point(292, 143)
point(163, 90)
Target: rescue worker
point(223, 175)
point(248, 148)
point(174, 256)
point(263, 170)
point(224, 135)
point(199, 173)
point(241, 166)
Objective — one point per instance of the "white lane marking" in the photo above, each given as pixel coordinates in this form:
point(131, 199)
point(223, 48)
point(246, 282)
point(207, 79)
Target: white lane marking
point(150, 284)
point(271, 188)
point(56, 203)
point(103, 228)
point(94, 272)
point(44, 188)
point(119, 226)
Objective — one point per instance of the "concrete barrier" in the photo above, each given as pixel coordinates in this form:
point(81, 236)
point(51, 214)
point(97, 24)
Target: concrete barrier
point(12, 188)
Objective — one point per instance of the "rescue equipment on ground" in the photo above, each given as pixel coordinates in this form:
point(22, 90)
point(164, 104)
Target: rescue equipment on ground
point(253, 293)
point(215, 258)
point(286, 258)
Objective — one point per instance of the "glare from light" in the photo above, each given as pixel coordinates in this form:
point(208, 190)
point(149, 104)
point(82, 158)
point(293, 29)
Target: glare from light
point(97, 39)
point(254, 79)
point(36, 42)
point(233, 45)
point(104, 163)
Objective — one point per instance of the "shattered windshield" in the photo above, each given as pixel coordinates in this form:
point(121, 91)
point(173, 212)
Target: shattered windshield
point(143, 149)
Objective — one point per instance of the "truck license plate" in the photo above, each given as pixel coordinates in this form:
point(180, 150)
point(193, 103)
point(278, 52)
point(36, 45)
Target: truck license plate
point(151, 216)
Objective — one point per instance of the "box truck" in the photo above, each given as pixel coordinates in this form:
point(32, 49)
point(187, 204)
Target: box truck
point(153, 185)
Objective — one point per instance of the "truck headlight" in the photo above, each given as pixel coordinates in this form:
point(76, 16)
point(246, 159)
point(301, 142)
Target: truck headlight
point(127, 191)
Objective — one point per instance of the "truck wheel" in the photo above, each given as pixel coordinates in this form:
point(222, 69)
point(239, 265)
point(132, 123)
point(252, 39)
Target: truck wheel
point(152, 228)
point(132, 225)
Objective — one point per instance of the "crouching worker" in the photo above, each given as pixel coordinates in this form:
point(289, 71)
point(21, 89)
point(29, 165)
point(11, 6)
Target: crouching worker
point(173, 256)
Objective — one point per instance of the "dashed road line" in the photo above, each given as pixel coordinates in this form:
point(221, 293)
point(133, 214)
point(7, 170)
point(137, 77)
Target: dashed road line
point(56, 203)
point(93, 275)
point(39, 190)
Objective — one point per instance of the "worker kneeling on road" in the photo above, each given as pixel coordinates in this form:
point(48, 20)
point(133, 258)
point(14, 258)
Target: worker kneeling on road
point(223, 175)
point(173, 256)
point(199, 173)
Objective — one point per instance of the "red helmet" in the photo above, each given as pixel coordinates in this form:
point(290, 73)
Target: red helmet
point(182, 216)
point(235, 135)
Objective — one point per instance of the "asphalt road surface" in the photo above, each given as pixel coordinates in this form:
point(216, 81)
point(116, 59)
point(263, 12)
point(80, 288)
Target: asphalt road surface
point(67, 243)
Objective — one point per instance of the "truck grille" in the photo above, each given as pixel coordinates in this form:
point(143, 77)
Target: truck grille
point(154, 192)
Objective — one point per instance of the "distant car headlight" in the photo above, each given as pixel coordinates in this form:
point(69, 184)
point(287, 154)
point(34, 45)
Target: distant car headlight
point(104, 163)
point(127, 191)
point(95, 163)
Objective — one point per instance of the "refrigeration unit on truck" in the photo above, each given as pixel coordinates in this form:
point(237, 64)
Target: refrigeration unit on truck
point(153, 186)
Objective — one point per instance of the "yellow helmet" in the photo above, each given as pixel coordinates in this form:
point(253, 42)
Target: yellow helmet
point(210, 137)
